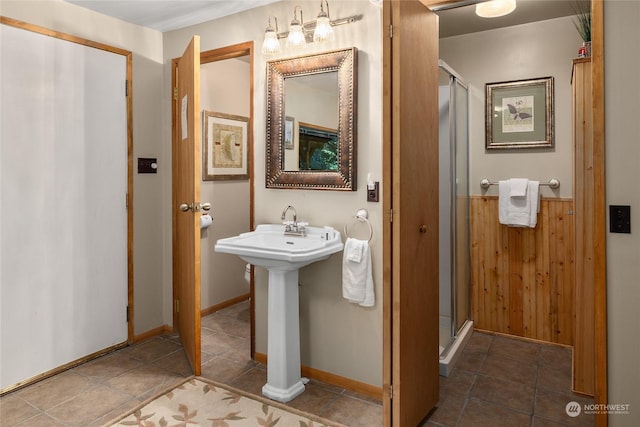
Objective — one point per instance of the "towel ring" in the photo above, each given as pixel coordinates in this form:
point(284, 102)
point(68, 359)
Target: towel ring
point(362, 216)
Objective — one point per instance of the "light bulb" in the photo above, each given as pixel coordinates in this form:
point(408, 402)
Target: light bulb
point(323, 31)
point(271, 44)
point(296, 36)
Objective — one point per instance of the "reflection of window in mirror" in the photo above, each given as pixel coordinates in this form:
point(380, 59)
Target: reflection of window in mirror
point(318, 148)
point(312, 100)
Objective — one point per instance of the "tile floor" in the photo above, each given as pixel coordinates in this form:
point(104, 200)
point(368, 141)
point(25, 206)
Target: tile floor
point(497, 382)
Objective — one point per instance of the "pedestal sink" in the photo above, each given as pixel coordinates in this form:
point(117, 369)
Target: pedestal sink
point(283, 255)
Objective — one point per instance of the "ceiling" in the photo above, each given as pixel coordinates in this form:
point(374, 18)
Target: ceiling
point(167, 15)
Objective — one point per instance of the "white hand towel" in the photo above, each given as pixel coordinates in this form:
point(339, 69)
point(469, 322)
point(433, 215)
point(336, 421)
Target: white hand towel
point(504, 200)
point(354, 251)
point(518, 211)
point(534, 200)
point(518, 187)
point(357, 278)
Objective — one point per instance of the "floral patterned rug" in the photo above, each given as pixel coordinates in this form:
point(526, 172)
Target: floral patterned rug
point(201, 402)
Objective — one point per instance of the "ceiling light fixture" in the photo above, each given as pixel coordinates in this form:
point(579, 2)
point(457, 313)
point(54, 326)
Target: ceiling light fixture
point(296, 38)
point(323, 31)
point(271, 44)
point(495, 8)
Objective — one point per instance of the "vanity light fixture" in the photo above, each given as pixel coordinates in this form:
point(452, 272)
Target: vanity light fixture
point(271, 44)
point(495, 8)
point(320, 30)
point(323, 31)
point(296, 37)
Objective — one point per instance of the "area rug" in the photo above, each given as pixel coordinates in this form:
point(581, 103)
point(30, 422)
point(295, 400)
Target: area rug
point(201, 402)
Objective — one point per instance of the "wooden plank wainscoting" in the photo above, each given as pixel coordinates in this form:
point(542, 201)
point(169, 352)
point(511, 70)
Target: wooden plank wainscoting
point(522, 279)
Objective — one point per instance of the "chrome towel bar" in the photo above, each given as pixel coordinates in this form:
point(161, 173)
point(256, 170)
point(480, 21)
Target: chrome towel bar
point(553, 183)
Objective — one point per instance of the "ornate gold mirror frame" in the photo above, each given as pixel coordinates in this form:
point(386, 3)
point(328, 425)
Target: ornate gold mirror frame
point(344, 62)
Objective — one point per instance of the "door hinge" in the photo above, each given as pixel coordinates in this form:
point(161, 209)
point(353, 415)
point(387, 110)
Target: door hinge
point(390, 215)
point(126, 88)
point(390, 31)
point(128, 314)
point(175, 93)
point(177, 306)
point(126, 200)
point(390, 391)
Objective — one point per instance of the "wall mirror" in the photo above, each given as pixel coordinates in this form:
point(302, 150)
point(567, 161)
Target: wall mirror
point(311, 121)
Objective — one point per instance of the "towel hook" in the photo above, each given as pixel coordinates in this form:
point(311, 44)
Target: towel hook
point(362, 215)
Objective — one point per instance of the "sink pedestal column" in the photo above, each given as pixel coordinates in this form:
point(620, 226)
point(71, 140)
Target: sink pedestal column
point(283, 337)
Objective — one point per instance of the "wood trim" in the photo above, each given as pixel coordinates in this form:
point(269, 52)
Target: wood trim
point(584, 344)
point(228, 303)
point(600, 236)
point(61, 369)
point(155, 332)
point(333, 379)
point(130, 205)
point(174, 136)
point(227, 52)
point(62, 36)
point(129, 196)
point(387, 182)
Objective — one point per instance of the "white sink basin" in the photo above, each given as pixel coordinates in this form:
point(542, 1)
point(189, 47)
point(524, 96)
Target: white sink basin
point(283, 255)
point(269, 247)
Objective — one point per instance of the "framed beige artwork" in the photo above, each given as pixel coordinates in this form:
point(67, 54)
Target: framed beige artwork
point(225, 151)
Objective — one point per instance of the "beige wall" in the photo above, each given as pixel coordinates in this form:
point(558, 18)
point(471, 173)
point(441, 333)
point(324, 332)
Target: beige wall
point(336, 336)
point(224, 88)
point(146, 46)
point(520, 52)
point(622, 105)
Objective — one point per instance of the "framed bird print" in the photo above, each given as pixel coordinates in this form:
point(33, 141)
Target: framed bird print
point(519, 114)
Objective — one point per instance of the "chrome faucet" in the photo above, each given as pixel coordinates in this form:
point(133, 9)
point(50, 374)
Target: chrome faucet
point(292, 227)
point(295, 214)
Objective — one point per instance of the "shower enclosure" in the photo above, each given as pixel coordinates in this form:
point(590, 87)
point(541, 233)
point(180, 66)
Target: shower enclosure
point(455, 324)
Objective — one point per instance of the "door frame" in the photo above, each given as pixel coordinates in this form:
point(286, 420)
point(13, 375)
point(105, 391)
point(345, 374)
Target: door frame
point(598, 192)
point(230, 52)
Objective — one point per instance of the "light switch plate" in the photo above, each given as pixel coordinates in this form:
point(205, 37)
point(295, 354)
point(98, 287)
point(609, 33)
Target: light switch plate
point(147, 165)
point(620, 219)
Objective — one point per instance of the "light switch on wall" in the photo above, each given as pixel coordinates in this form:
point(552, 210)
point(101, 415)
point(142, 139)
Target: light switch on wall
point(620, 219)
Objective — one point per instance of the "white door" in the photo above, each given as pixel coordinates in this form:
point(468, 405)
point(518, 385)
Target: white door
point(63, 165)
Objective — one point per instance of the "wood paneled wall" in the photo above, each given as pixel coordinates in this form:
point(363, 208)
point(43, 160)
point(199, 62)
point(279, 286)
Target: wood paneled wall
point(522, 279)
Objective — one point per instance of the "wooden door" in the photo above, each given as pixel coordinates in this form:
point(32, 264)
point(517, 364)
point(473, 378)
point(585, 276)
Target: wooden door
point(411, 141)
point(186, 173)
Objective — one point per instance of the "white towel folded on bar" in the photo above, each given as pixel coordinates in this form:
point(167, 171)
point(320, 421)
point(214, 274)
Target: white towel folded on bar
point(357, 277)
point(518, 211)
point(518, 187)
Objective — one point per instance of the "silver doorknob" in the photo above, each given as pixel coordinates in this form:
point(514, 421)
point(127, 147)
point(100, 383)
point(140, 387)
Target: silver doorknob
point(422, 228)
point(185, 207)
point(206, 206)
